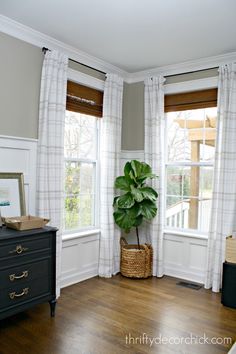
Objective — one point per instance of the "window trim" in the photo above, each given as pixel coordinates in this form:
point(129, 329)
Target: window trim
point(98, 84)
point(176, 88)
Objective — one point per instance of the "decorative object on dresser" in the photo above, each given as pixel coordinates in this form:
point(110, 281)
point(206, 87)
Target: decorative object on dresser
point(27, 269)
point(28, 222)
point(12, 193)
point(230, 251)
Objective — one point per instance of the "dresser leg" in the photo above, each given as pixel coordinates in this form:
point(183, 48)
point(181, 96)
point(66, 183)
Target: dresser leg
point(53, 307)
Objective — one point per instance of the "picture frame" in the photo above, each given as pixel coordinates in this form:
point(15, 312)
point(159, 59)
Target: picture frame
point(12, 194)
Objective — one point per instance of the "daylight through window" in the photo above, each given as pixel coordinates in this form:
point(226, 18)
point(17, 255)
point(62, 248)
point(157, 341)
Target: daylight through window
point(81, 150)
point(191, 136)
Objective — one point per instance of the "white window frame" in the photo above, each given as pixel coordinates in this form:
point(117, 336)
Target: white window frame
point(181, 87)
point(98, 84)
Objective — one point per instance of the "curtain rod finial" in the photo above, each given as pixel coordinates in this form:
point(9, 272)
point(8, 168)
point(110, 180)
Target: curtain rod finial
point(44, 50)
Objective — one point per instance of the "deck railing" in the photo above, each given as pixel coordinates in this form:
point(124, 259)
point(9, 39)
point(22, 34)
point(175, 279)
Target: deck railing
point(177, 215)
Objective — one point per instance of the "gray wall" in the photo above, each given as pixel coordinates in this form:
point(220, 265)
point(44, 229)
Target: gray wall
point(192, 76)
point(20, 76)
point(86, 70)
point(133, 117)
point(20, 72)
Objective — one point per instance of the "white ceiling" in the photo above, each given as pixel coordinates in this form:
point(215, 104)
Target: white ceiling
point(134, 34)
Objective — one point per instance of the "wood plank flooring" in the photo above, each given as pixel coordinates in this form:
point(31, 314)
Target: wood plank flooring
point(119, 315)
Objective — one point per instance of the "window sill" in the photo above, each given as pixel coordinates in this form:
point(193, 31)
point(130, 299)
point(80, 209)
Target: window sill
point(78, 234)
point(186, 234)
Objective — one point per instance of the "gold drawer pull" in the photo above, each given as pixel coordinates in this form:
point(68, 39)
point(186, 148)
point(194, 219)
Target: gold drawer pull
point(19, 249)
point(24, 292)
point(24, 274)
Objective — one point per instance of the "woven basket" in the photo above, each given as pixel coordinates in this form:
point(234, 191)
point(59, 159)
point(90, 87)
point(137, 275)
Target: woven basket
point(230, 249)
point(135, 262)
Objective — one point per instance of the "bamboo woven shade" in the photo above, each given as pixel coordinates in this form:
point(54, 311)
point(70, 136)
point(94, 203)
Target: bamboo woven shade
point(83, 99)
point(191, 100)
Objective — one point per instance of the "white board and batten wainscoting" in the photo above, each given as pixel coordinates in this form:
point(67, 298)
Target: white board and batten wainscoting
point(79, 257)
point(19, 155)
point(184, 255)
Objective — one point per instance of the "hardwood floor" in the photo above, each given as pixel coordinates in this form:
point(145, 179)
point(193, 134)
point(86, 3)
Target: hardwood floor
point(107, 316)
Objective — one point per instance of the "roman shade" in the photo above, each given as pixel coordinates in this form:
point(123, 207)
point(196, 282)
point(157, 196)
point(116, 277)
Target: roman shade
point(191, 100)
point(83, 99)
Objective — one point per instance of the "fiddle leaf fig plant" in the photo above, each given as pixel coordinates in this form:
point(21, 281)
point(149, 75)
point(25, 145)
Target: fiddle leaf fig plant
point(138, 200)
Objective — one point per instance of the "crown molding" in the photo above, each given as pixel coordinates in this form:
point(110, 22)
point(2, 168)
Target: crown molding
point(29, 35)
point(184, 67)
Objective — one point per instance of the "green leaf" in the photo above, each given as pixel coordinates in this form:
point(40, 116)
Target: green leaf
point(135, 210)
point(137, 194)
point(123, 219)
point(127, 169)
point(141, 171)
point(138, 221)
point(126, 218)
point(125, 201)
point(140, 168)
point(115, 202)
point(132, 176)
point(122, 183)
point(149, 193)
point(146, 176)
point(148, 209)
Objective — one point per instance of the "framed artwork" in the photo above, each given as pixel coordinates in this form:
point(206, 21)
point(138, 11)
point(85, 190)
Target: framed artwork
point(12, 194)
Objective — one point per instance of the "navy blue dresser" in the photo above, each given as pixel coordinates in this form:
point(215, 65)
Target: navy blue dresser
point(27, 269)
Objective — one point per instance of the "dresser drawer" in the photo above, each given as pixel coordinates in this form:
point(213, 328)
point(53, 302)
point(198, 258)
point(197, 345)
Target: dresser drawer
point(24, 246)
point(20, 293)
point(24, 273)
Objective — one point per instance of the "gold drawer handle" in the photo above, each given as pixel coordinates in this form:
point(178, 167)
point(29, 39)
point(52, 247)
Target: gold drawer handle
point(19, 249)
point(24, 274)
point(14, 294)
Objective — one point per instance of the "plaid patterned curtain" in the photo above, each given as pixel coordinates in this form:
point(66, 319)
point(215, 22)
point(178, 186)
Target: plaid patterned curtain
point(223, 215)
point(50, 161)
point(154, 156)
point(109, 257)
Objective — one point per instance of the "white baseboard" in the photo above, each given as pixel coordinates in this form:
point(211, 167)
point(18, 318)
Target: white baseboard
point(78, 277)
point(184, 274)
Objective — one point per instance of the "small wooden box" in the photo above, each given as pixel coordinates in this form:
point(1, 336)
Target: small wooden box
point(25, 222)
point(230, 249)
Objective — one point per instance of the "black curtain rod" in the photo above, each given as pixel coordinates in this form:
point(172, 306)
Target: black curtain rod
point(192, 72)
point(44, 50)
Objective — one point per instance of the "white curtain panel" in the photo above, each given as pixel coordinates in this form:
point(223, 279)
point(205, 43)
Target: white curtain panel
point(109, 257)
point(50, 159)
point(223, 215)
point(154, 150)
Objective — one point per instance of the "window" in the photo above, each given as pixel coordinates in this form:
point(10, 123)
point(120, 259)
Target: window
point(190, 139)
point(81, 151)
